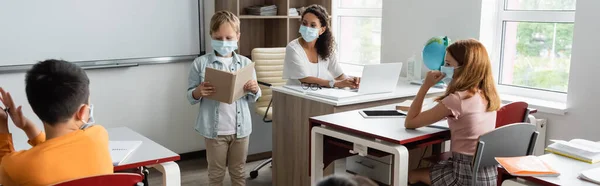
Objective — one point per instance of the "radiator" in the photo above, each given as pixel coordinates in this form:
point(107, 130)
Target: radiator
point(540, 143)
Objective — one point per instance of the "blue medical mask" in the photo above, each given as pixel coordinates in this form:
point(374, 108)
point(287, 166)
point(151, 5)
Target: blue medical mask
point(224, 48)
point(309, 34)
point(91, 120)
point(449, 72)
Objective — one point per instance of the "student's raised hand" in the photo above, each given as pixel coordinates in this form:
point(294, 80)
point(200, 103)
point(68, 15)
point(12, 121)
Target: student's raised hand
point(432, 78)
point(3, 121)
point(206, 89)
point(16, 114)
point(251, 86)
point(346, 83)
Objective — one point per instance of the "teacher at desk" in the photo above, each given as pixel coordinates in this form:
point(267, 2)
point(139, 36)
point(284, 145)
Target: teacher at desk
point(311, 59)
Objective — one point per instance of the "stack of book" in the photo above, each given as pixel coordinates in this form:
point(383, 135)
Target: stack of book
point(262, 10)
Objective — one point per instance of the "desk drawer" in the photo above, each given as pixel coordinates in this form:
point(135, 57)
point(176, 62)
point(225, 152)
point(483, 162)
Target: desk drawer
point(370, 168)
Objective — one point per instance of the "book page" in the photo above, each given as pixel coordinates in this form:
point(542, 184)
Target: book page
point(593, 146)
point(242, 76)
point(574, 150)
point(222, 81)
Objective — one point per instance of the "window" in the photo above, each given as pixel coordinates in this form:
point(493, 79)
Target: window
point(534, 40)
point(357, 28)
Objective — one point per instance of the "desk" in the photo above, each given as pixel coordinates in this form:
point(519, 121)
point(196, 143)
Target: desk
point(383, 134)
point(291, 129)
point(569, 171)
point(149, 154)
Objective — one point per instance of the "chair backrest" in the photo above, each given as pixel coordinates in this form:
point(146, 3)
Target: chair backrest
point(117, 179)
point(507, 141)
point(268, 63)
point(515, 112)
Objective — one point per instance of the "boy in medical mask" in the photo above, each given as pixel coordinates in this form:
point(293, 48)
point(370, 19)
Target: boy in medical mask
point(70, 147)
point(225, 127)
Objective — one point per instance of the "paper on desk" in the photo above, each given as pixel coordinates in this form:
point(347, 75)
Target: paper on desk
point(119, 150)
point(229, 85)
point(592, 175)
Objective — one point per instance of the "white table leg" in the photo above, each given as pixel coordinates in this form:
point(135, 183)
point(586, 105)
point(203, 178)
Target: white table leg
point(316, 146)
point(400, 166)
point(316, 154)
point(171, 175)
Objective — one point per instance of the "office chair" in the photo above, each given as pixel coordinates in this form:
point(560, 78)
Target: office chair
point(269, 72)
point(116, 179)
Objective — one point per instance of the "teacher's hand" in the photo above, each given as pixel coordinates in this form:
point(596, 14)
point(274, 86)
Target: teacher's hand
point(346, 83)
point(205, 89)
point(251, 86)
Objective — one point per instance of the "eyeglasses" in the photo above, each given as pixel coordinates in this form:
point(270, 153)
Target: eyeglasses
point(311, 86)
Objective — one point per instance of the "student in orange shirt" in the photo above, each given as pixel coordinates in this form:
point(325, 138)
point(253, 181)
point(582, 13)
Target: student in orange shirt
point(70, 147)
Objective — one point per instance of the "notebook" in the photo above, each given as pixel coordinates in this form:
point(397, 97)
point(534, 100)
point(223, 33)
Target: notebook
point(527, 166)
point(592, 175)
point(229, 85)
point(120, 150)
point(427, 104)
point(579, 149)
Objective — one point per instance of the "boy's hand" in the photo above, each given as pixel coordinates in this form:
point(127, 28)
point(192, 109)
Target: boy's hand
point(251, 86)
point(3, 121)
point(205, 89)
point(15, 112)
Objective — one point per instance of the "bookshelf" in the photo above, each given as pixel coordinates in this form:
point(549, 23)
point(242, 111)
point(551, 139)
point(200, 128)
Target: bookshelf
point(267, 31)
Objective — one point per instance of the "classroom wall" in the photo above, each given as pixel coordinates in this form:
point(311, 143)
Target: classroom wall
point(149, 99)
point(408, 24)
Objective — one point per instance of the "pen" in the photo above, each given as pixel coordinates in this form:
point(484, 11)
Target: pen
point(438, 127)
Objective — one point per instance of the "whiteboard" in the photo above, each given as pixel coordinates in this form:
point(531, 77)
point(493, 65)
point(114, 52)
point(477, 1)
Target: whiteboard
point(76, 30)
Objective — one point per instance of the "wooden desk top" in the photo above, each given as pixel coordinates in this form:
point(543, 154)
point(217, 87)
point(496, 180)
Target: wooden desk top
point(386, 129)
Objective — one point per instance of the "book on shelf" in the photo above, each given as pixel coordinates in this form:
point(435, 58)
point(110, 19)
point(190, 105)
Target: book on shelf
point(262, 10)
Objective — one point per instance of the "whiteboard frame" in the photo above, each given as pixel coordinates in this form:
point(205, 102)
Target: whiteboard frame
point(130, 62)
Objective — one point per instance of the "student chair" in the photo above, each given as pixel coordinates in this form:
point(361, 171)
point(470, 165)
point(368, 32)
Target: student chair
point(507, 141)
point(268, 63)
point(116, 179)
point(515, 112)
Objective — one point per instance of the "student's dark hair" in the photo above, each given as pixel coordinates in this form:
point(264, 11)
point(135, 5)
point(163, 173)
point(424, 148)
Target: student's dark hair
point(56, 89)
point(336, 180)
point(325, 43)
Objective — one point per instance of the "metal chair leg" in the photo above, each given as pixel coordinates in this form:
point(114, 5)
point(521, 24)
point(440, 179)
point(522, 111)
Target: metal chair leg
point(254, 172)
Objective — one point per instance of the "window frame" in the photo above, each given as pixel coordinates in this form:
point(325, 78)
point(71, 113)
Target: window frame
point(338, 12)
point(503, 15)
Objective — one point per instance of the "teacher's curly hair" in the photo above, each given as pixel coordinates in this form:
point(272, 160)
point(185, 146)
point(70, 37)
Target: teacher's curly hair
point(325, 43)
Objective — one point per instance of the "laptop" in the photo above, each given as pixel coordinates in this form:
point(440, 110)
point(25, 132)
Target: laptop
point(377, 78)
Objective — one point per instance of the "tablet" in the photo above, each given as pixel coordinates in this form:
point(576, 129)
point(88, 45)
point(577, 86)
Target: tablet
point(381, 113)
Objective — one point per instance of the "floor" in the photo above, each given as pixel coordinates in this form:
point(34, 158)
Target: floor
point(194, 173)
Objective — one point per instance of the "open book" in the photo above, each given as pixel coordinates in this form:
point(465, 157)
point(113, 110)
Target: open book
point(527, 166)
point(579, 149)
point(119, 150)
point(428, 103)
point(592, 175)
point(229, 86)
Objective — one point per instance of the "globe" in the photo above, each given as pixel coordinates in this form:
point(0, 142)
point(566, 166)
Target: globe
point(434, 52)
